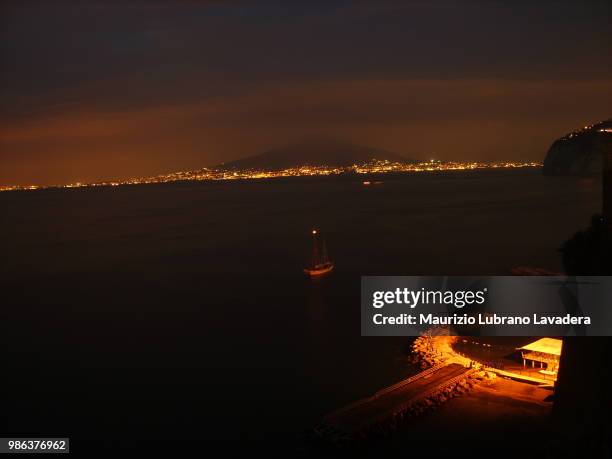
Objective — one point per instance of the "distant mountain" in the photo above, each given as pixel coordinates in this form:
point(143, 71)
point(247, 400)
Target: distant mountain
point(579, 152)
point(313, 152)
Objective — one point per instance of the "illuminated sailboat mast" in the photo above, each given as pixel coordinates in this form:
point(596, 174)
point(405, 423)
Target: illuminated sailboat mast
point(320, 263)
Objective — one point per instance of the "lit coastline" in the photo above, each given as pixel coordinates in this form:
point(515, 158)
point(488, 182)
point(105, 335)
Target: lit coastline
point(372, 167)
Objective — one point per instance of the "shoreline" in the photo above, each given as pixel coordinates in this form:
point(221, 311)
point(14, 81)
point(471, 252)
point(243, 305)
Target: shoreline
point(211, 175)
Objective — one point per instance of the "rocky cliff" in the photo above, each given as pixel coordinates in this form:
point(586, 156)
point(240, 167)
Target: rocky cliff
point(580, 152)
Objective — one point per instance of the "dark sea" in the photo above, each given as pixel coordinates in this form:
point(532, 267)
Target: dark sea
point(178, 314)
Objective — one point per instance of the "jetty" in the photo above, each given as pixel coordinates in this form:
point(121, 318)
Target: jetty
point(392, 403)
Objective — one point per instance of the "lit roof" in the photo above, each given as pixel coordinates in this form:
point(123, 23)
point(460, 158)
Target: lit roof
point(545, 346)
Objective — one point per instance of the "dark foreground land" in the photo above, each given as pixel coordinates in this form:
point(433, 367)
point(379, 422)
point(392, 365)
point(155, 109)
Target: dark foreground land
point(506, 419)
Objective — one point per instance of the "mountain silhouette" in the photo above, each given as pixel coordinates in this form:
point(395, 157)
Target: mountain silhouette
point(313, 152)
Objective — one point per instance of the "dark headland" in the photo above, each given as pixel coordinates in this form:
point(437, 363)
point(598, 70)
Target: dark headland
point(580, 152)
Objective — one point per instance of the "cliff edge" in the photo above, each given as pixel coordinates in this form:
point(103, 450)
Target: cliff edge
point(580, 152)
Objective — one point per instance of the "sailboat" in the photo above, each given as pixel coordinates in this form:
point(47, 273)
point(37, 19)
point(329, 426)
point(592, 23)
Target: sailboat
point(320, 262)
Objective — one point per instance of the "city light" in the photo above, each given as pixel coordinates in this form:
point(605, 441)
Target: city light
point(370, 167)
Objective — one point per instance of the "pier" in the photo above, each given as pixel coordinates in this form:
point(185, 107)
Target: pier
point(358, 418)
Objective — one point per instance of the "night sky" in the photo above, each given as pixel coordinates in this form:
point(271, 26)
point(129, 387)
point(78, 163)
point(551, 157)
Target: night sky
point(94, 90)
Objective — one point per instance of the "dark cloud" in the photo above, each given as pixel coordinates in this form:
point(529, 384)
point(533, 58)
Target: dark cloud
point(110, 89)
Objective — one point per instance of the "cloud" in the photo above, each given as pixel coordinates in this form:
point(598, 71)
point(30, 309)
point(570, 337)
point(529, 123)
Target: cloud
point(456, 119)
point(96, 89)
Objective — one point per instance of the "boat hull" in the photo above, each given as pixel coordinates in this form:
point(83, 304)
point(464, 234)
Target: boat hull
point(319, 271)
